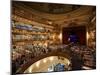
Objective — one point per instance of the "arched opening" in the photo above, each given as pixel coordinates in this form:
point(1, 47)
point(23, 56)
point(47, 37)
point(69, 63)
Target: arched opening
point(55, 53)
point(50, 64)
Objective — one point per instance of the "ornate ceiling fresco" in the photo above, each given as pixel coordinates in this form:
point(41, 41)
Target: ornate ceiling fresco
point(51, 8)
point(53, 14)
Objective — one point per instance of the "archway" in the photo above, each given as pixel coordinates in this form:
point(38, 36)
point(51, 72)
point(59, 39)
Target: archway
point(50, 64)
point(66, 54)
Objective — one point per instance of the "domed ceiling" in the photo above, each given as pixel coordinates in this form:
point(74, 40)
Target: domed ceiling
point(51, 8)
point(53, 14)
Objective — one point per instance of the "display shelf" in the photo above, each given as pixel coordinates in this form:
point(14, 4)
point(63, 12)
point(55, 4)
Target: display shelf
point(14, 33)
point(30, 41)
point(20, 30)
point(23, 35)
